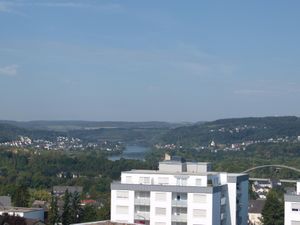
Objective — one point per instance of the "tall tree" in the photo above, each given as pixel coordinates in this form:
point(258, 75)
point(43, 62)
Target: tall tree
point(89, 213)
point(53, 213)
point(76, 210)
point(66, 218)
point(273, 211)
point(21, 196)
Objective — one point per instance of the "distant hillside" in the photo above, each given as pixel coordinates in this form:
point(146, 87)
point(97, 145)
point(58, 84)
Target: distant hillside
point(233, 130)
point(87, 131)
point(10, 132)
point(88, 125)
point(147, 136)
point(221, 131)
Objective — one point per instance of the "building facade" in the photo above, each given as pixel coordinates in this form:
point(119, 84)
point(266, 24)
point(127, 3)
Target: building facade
point(292, 207)
point(180, 193)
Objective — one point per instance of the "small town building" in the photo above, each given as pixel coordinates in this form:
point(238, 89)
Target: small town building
point(254, 211)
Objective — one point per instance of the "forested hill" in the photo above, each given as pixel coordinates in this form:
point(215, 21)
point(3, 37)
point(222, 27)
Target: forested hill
point(67, 125)
point(222, 131)
point(10, 132)
point(87, 131)
point(234, 130)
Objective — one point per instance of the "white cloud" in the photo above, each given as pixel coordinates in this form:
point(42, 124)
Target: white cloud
point(11, 70)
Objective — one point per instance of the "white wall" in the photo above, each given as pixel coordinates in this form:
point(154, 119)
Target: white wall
point(207, 205)
point(231, 206)
point(167, 204)
point(154, 179)
point(290, 215)
point(114, 216)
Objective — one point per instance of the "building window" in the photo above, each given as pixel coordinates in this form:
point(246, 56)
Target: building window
point(122, 209)
point(142, 194)
point(178, 223)
point(179, 196)
point(199, 198)
point(122, 194)
point(179, 210)
point(160, 211)
point(181, 181)
point(160, 196)
point(142, 208)
point(199, 213)
point(144, 180)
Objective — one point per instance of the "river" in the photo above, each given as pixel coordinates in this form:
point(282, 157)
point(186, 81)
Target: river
point(131, 152)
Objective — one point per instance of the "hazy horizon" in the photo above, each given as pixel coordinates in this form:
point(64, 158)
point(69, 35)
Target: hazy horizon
point(143, 121)
point(148, 61)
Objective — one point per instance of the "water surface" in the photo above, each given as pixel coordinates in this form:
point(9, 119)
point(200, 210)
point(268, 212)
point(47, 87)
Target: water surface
point(131, 152)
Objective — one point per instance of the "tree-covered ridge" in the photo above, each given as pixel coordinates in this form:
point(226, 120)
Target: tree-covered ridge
point(9, 132)
point(137, 133)
point(238, 161)
point(44, 169)
point(233, 130)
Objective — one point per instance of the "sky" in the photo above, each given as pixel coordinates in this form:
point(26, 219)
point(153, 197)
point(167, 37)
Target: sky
point(156, 60)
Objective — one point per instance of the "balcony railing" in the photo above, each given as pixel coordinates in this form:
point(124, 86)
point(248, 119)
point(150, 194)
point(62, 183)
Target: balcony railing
point(142, 215)
point(179, 217)
point(179, 203)
point(142, 201)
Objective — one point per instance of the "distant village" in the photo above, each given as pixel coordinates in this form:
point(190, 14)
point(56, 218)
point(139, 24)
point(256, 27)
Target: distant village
point(213, 146)
point(64, 143)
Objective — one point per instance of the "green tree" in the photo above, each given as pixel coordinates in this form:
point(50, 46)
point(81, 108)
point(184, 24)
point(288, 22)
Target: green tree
point(273, 211)
point(53, 213)
point(66, 218)
point(76, 210)
point(89, 213)
point(21, 196)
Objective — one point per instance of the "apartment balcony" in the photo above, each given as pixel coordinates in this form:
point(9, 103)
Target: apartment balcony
point(179, 217)
point(179, 203)
point(142, 215)
point(142, 201)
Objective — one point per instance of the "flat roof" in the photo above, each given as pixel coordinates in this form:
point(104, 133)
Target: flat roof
point(179, 162)
point(19, 209)
point(170, 173)
point(183, 173)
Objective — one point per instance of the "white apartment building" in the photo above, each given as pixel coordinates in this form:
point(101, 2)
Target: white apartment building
point(292, 207)
point(180, 193)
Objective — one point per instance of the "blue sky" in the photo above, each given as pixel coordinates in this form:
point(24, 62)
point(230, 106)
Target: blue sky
point(148, 60)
